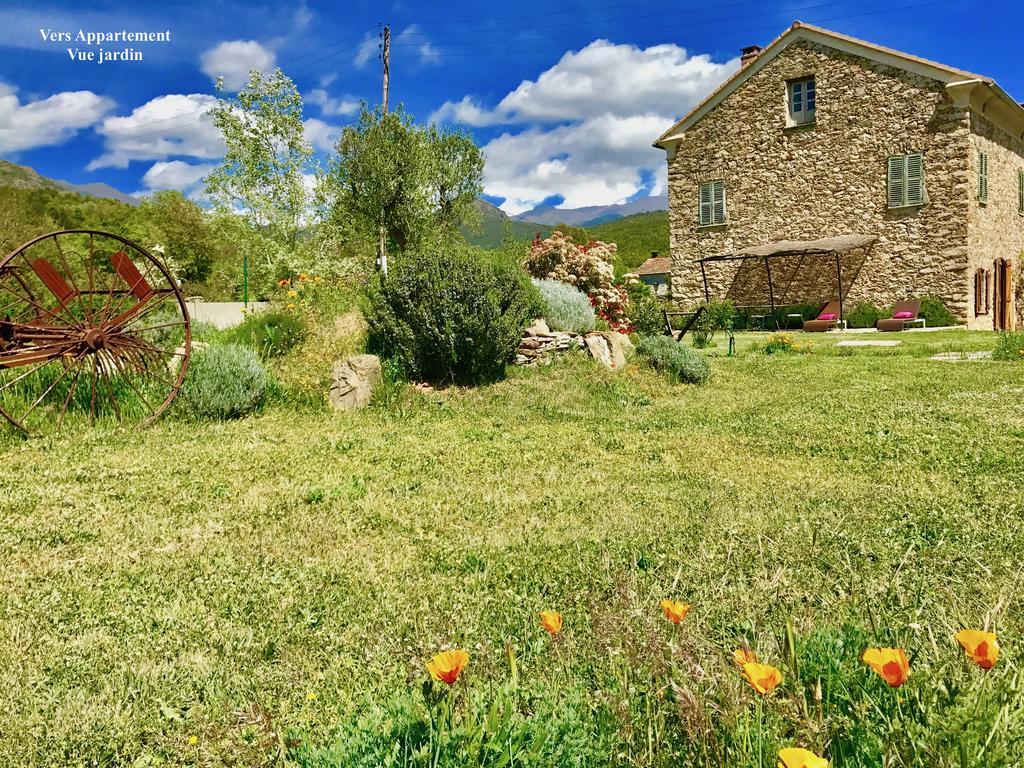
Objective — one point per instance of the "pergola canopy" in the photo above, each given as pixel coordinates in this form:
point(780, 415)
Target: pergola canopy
point(823, 247)
point(828, 246)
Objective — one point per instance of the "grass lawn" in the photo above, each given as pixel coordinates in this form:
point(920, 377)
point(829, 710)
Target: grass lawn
point(202, 594)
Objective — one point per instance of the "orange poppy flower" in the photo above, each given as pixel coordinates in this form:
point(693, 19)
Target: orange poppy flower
point(796, 757)
point(982, 647)
point(302, 277)
point(890, 663)
point(744, 656)
point(674, 610)
point(283, 283)
point(763, 677)
point(446, 666)
point(551, 621)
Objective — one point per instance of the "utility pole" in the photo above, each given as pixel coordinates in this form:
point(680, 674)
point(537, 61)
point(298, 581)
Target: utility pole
point(382, 253)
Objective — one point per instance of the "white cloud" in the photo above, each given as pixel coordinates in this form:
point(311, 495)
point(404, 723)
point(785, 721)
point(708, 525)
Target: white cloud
point(603, 78)
point(368, 49)
point(234, 59)
point(600, 161)
point(466, 111)
point(330, 105)
point(412, 37)
point(175, 124)
point(176, 174)
point(321, 135)
point(606, 103)
point(48, 121)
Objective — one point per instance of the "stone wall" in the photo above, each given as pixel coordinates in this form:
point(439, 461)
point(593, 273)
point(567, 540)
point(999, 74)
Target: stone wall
point(996, 227)
point(829, 179)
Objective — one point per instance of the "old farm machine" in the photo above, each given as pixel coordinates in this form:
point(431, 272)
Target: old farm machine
point(92, 326)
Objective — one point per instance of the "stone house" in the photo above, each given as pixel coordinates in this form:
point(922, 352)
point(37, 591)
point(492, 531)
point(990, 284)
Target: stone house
point(823, 135)
point(657, 273)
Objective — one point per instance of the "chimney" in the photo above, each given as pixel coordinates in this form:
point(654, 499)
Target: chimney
point(749, 53)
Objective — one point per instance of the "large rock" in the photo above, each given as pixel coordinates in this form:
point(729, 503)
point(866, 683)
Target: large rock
point(353, 380)
point(609, 347)
point(538, 327)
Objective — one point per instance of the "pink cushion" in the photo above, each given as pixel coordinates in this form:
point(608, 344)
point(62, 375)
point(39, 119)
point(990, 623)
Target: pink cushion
point(903, 315)
point(827, 316)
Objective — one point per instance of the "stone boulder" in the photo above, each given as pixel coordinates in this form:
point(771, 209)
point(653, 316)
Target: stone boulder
point(353, 381)
point(609, 347)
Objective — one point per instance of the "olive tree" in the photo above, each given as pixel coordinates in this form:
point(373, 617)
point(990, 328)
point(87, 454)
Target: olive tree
point(417, 183)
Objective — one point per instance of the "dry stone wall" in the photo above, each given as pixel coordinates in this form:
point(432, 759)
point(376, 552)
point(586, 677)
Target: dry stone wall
point(829, 178)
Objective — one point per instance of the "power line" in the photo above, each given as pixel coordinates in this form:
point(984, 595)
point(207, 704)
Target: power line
point(130, 131)
point(507, 52)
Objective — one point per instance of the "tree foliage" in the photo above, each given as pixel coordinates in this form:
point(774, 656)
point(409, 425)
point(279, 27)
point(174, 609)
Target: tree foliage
point(266, 158)
point(418, 183)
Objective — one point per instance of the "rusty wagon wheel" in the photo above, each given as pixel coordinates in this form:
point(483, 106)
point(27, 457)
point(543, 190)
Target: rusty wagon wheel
point(92, 327)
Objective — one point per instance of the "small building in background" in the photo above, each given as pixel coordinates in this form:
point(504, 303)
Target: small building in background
point(657, 273)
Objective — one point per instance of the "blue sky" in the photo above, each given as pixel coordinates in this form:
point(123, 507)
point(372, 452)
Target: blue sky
point(565, 97)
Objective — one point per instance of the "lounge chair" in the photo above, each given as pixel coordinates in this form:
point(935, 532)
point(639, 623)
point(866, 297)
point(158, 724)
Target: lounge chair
point(903, 314)
point(828, 318)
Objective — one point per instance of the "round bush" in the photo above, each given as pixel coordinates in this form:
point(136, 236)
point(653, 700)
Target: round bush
point(224, 382)
point(644, 310)
point(864, 315)
point(271, 334)
point(455, 317)
point(935, 313)
point(680, 362)
point(566, 308)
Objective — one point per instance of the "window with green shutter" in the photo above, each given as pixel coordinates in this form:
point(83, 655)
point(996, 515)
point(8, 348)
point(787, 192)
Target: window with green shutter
point(906, 181)
point(983, 177)
point(1020, 191)
point(712, 203)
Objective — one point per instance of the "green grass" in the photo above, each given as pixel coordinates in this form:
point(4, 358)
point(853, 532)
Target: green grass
point(202, 580)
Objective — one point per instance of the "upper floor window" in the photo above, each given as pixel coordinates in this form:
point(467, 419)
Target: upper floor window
point(906, 181)
point(982, 177)
point(802, 100)
point(711, 203)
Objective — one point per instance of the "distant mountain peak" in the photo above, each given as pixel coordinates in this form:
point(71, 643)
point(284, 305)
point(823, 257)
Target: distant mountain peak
point(23, 177)
point(593, 214)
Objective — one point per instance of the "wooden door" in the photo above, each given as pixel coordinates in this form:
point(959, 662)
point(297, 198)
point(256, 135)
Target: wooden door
point(1002, 315)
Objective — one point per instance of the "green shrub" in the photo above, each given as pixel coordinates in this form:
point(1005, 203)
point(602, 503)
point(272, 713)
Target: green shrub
point(935, 313)
point(566, 308)
point(1010, 347)
point(677, 360)
point(453, 317)
point(864, 315)
point(715, 317)
point(224, 382)
point(270, 333)
point(645, 313)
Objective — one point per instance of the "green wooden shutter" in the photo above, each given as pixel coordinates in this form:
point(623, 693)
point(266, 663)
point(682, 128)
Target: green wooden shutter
point(718, 197)
point(983, 177)
point(897, 182)
point(1020, 191)
point(705, 205)
point(914, 178)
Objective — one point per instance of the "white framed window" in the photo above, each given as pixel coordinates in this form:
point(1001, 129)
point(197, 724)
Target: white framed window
point(711, 203)
point(802, 101)
point(906, 181)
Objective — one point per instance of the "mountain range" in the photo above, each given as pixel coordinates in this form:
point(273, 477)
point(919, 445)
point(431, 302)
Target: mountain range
point(23, 177)
point(538, 219)
point(592, 215)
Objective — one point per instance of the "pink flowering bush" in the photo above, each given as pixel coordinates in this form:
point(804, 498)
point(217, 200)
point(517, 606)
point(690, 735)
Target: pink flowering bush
point(586, 267)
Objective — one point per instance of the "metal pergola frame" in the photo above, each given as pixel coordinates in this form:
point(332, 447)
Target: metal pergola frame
point(832, 246)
